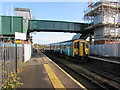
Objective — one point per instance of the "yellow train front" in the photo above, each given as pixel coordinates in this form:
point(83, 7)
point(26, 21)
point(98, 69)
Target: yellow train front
point(81, 50)
point(78, 50)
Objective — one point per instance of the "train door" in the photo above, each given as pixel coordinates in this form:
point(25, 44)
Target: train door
point(81, 49)
point(76, 50)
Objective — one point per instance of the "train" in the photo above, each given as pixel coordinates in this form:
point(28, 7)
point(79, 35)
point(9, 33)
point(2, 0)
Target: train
point(77, 50)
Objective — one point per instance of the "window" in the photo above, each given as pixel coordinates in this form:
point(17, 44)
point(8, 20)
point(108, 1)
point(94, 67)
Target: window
point(76, 45)
point(86, 45)
point(64, 46)
point(57, 46)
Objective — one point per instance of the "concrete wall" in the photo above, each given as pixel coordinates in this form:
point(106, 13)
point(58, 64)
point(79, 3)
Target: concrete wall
point(27, 52)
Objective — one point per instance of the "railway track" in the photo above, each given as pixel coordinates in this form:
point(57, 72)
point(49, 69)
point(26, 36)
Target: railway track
point(114, 76)
point(94, 75)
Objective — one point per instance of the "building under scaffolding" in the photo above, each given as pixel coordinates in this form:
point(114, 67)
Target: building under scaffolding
point(105, 19)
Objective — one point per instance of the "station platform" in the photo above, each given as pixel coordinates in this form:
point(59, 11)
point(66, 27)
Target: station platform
point(41, 72)
point(110, 60)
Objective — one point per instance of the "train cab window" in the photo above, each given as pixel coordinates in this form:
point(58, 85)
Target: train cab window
point(64, 47)
point(53, 46)
point(76, 44)
point(60, 46)
point(86, 45)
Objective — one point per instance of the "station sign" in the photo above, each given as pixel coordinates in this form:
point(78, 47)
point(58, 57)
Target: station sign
point(20, 36)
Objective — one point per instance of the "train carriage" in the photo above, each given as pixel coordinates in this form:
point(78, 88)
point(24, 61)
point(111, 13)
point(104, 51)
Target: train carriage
point(77, 49)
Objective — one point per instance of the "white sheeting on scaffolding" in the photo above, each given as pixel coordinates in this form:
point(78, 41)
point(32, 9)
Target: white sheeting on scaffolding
point(108, 17)
point(101, 32)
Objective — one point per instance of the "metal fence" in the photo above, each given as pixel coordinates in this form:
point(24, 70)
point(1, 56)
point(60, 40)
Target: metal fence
point(11, 57)
point(110, 50)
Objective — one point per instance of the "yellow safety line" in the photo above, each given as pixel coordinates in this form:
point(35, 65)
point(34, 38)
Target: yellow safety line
point(55, 81)
point(71, 77)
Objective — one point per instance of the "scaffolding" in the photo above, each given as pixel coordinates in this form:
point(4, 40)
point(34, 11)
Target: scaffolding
point(105, 20)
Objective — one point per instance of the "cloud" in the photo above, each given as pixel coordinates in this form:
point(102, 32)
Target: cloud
point(47, 38)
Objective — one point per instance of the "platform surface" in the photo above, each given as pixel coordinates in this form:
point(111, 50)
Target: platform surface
point(42, 72)
point(111, 60)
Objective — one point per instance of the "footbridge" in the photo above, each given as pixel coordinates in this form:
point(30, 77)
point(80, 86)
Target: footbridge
point(19, 24)
point(56, 26)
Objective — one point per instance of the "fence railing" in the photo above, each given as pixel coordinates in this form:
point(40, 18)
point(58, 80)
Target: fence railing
point(11, 58)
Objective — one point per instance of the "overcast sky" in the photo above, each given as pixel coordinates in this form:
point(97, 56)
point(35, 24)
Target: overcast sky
point(63, 11)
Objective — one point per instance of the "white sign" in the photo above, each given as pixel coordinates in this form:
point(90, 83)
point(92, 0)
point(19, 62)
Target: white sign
point(21, 36)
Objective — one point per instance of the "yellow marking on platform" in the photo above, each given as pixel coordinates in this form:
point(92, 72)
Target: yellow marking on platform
point(71, 77)
point(55, 81)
